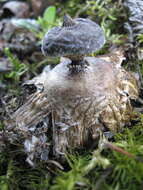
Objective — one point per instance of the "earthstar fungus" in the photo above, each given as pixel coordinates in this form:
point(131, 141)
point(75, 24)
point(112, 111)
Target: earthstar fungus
point(75, 106)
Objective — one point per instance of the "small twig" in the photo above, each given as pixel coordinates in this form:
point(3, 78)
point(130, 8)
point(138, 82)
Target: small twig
point(118, 149)
point(104, 143)
point(122, 151)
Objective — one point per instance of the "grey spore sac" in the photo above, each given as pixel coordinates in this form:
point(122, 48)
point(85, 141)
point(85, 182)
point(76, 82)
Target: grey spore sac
point(76, 37)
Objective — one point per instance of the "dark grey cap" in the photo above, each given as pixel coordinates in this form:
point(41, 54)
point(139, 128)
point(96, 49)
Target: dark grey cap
point(75, 37)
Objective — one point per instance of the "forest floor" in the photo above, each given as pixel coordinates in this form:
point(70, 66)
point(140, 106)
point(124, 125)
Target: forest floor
point(22, 27)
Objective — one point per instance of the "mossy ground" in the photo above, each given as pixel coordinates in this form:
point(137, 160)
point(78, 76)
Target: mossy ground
point(90, 170)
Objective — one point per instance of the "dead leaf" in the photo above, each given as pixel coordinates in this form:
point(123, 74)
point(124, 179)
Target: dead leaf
point(16, 9)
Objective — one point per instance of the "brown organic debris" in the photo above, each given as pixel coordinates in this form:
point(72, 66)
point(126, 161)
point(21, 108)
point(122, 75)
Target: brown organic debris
point(16, 9)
